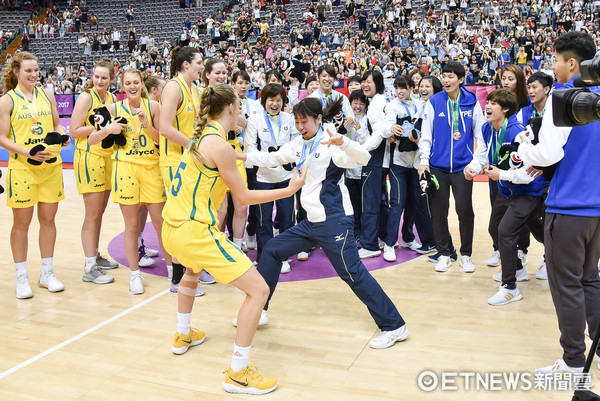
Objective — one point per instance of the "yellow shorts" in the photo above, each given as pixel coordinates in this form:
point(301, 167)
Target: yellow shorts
point(29, 187)
point(199, 246)
point(168, 172)
point(92, 172)
point(135, 183)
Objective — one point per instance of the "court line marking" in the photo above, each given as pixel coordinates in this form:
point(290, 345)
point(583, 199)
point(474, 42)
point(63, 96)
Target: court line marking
point(79, 336)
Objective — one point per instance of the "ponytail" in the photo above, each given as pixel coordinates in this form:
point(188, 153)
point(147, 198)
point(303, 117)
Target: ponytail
point(179, 55)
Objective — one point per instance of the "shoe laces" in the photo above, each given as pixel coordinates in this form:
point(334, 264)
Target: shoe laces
point(101, 259)
point(22, 277)
point(98, 270)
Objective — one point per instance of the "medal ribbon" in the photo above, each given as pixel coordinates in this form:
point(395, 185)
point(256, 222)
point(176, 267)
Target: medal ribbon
point(455, 110)
point(192, 98)
point(313, 146)
point(499, 141)
point(268, 121)
point(136, 124)
point(324, 99)
point(31, 105)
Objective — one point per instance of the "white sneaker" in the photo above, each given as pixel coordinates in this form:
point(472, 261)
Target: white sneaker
point(542, 274)
point(264, 319)
point(146, 261)
point(285, 267)
point(170, 272)
point(388, 338)
point(23, 290)
point(494, 260)
point(365, 253)
point(251, 242)
point(413, 245)
point(151, 252)
point(302, 256)
point(96, 275)
point(48, 280)
point(523, 256)
point(380, 243)
point(521, 275)
point(467, 264)
point(505, 296)
point(389, 253)
point(443, 263)
point(136, 286)
point(560, 371)
point(206, 278)
point(244, 247)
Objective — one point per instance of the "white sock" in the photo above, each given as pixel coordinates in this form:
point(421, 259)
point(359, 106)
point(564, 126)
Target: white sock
point(47, 265)
point(237, 241)
point(21, 267)
point(183, 323)
point(239, 359)
point(135, 273)
point(89, 262)
point(97, 252)
point(139, 242)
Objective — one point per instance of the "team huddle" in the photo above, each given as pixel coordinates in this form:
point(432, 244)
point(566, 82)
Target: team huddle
point(347, 174)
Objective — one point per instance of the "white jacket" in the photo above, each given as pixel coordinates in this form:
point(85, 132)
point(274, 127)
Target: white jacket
point(361, 135)
point(324, 195)
point(398, 109)
point(335, 95)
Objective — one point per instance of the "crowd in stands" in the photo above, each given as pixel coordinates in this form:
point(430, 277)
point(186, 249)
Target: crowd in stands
point(391, 37)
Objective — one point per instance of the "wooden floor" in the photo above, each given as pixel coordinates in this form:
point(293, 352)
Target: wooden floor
point(316, 343)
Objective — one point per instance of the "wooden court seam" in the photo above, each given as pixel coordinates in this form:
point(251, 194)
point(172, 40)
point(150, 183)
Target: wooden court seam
point(80, 335)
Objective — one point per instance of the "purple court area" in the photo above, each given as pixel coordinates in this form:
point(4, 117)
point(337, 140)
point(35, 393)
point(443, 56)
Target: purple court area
point(316, 267)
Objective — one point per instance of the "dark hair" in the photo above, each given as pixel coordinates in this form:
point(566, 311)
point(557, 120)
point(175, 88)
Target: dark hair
point(454, 67)
point(377, 79)
point(354, 78)
point(208, 67)
point(240, 74)
point(273, 73)
point(521, 92)
point(312, 107)
point(328, 68)
point(435, 82)
point(179, 55)
point(404, 82)
point(359, 95)
point(309, 80)
point(505, 99)
point(542, 78)
point(272, 90)
point(575, 44)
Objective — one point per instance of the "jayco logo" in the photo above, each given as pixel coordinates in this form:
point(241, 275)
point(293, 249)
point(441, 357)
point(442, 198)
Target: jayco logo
point(134, 152)
point(32, 141)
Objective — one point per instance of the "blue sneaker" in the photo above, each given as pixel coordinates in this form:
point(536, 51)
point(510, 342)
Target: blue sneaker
point(434, 258)
point(425, 249)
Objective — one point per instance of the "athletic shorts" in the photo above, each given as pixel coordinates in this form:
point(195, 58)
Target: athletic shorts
point(29, 187)
point(200, 246)
point(168, 172)
point(92, 172)
point(135, 183)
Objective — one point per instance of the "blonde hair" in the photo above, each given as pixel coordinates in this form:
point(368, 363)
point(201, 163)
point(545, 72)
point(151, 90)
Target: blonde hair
point(9, 79)
point(213, 101)
point(104, 63)
point(140, 76)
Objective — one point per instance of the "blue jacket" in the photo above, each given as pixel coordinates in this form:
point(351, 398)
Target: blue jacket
point(574, 189)
point(506, 188)
point(447, 154)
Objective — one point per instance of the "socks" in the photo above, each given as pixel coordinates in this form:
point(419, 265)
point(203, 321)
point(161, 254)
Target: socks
point(238, 242)
point(47, 265)
point(183, 323)
point(89, 262)
point(135, 273)
point(21, 267)
point(239, 359)
point(178, 271)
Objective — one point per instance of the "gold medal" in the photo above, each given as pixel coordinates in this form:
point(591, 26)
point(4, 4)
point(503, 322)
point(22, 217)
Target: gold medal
point(456, 136)
point(136, 144)
point(36, 129)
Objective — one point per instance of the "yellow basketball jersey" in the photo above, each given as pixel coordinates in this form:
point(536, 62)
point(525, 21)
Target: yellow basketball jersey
point(21, 123)
point(197, 191)
point(185, 118)
point(146, 153)
point(82, 143)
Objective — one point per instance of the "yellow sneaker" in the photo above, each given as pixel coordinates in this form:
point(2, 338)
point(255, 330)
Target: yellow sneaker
point(182, 343)
point(248, 381)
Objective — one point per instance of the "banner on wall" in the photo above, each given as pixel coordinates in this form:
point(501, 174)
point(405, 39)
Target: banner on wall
point(65, 104)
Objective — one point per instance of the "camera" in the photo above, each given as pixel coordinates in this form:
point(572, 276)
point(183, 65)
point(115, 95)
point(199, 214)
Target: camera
point(581, 105)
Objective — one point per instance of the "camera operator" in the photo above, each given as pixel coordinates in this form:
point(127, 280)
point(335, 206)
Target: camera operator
point(572, 226)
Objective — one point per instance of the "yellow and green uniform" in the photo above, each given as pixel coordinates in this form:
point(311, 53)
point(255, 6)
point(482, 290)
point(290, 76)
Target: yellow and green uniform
point(185, 119)
point(28, 184)
point(93, 164)
point(136, 175)
point(190, 229)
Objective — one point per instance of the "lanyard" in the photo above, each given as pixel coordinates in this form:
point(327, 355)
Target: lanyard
point(536, 114)
point(499, 141)
point(313, 147)
point(106, 102)
point(31, 105)
point(268, 121)
point(409, 110)
point(136, 124)
point(455, 110)
point(324, 99)
point(192, 98)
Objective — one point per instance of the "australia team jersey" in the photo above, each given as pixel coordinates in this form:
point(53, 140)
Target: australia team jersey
point(82, 142)
point(197, 191)
point(21, 122)
point(146, 153)
point(170, 152)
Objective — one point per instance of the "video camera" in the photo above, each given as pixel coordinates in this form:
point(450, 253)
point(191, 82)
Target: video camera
point(579, 106)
